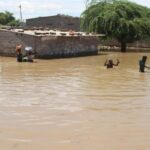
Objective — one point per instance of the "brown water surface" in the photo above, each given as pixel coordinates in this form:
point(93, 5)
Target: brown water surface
point(75, 104)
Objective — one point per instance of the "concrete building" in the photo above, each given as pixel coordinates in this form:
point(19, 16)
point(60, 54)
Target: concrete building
point(48, 44)
point(61, 22)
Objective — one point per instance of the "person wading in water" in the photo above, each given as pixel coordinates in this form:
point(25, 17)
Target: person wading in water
point(142, 65)
point(19, 53)
point(109, 63)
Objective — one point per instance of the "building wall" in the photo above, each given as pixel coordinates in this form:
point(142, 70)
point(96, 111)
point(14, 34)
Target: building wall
point(48, 47)
point(67, 47)
point(8, 43)
point(55, 22)
point(137, 44)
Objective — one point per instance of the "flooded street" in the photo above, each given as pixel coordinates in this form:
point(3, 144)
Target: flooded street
point(75, 104)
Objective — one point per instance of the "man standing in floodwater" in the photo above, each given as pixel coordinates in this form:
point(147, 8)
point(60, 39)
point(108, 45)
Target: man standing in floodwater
point(19, 53)
point(110, 64)
point(142, 64)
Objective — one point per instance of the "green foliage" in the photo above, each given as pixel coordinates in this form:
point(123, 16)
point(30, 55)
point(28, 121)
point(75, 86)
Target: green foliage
point(14, 23)
point(7, 18)
point(123, 20)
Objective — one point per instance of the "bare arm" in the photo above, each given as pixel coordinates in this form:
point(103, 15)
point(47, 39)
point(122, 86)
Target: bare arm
point(117, 63)
point(147, 67)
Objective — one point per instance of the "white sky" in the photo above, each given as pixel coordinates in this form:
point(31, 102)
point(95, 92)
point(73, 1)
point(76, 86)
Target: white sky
point(36, 8)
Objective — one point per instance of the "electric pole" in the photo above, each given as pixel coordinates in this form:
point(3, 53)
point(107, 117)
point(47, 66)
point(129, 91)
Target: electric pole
point(20, 13)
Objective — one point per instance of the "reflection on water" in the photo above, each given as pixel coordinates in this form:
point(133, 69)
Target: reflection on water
point(76, 103)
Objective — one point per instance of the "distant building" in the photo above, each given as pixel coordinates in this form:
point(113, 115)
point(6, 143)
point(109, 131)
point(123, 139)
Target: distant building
point(61, 22)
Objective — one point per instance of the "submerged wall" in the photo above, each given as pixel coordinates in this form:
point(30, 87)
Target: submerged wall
point(137, 44)
point(49, 46)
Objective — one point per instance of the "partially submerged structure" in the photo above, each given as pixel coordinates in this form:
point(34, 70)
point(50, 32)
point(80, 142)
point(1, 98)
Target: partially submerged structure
point(49, 43)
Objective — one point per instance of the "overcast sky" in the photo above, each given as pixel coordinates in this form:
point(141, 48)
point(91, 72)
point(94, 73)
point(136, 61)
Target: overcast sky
point(36, 8)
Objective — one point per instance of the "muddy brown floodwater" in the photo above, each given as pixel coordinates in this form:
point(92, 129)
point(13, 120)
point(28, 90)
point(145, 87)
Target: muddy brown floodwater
point(75, 104)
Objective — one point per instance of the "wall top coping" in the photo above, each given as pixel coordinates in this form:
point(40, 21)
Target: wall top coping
point(56, 33)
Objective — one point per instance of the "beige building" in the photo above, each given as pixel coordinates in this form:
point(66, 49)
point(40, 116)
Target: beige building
point(61, 22)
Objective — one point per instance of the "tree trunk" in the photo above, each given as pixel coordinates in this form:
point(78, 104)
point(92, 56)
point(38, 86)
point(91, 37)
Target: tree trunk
point(123, 46)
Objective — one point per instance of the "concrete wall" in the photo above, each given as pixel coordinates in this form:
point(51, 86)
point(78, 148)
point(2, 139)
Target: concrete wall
point(55, 22)
point(8, 43)
point(140, 44)
point(49, 46)
point(67, 46)
point(137, 44)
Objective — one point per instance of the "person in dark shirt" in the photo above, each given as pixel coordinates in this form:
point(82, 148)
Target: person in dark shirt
point(142, 63)
point(109, 63)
